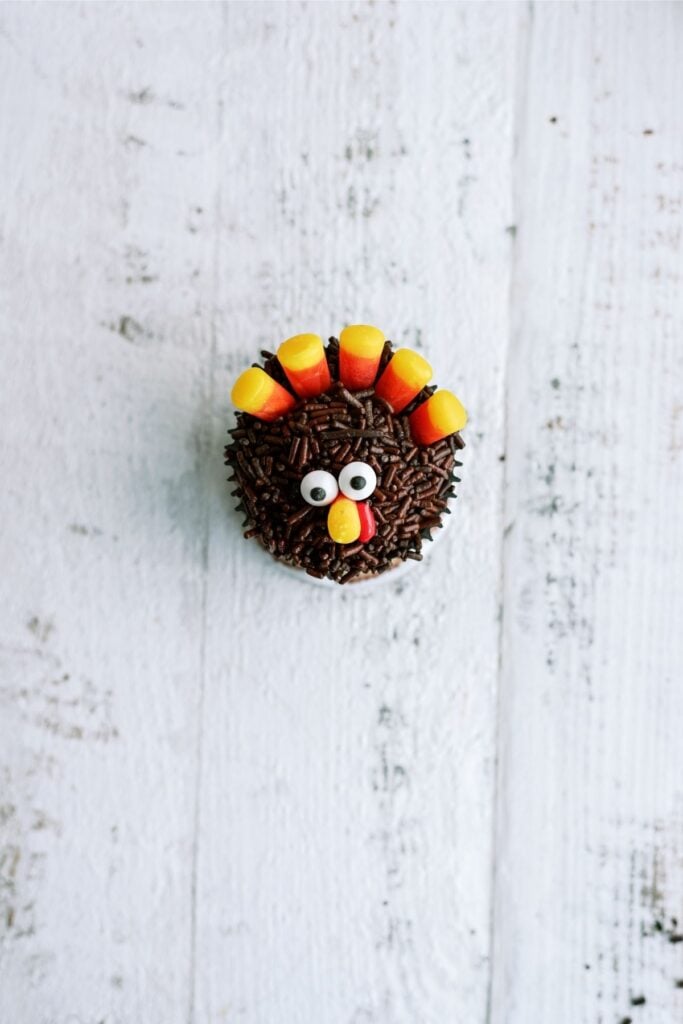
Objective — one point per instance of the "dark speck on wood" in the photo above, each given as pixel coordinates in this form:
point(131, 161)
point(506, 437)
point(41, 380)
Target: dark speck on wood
point(143, 279)
point(551, 509)
point(128, 327)
point(384, 715)
point(84, 531)
point(143, 96)
point(41, 630)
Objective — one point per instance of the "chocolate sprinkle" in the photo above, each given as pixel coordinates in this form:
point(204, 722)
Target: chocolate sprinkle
point(269, 460)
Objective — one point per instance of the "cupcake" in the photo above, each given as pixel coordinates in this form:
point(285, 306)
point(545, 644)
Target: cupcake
point(344, 456)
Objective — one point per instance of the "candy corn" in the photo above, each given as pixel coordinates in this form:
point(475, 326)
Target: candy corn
point(439, 416)
point(360, 348)
point(303, 360)
point(257, 393)
point(404, 378)
point(343, 521)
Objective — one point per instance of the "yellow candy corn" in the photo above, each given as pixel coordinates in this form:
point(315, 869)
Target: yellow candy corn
point(257, 393)
point(360, 348)
point(403, 379)
point(303, 360)
point(439, 416)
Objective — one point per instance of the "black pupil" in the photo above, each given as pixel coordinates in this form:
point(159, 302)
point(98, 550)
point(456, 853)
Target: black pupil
point(358, 483)
point(318, 493)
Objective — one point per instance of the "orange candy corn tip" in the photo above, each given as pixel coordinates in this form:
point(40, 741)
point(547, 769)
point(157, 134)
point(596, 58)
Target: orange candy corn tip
point(405, 376)
point(360, 349)
point(303, 360)
point(257, 393)
point(439, 416)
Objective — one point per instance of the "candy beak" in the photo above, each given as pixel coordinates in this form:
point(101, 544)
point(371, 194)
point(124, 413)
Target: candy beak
point(348, 521)
point(343, 521)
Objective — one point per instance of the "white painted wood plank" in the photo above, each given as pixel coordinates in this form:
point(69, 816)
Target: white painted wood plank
point(348, 742)
point(591, 804)
point(106, 140)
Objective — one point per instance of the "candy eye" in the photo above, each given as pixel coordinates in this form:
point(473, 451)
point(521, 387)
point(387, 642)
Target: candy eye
point(357, 481)
point(319, 488)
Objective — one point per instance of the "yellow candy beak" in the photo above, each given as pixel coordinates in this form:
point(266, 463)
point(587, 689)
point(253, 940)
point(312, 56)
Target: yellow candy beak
point(343, 521)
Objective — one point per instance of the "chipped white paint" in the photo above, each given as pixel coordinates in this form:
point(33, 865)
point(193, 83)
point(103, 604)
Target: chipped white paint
point(590, 801)
point(198, 821)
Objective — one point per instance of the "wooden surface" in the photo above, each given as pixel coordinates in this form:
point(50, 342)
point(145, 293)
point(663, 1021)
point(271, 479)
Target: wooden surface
point(226, 795)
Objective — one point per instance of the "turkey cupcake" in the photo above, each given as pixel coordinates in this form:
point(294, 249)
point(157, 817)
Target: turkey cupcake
point(344, 455)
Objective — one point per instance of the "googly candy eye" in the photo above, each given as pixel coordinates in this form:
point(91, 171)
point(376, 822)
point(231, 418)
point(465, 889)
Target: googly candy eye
point(357, 481)
point(319, 488)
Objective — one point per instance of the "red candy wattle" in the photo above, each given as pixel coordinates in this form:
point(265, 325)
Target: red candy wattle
point(368, 524)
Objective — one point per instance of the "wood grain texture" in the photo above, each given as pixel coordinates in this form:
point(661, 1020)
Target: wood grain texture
point(207, 818)
point(106, 335)
point(348, 743)
point(589, 886)
point(226, 795)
